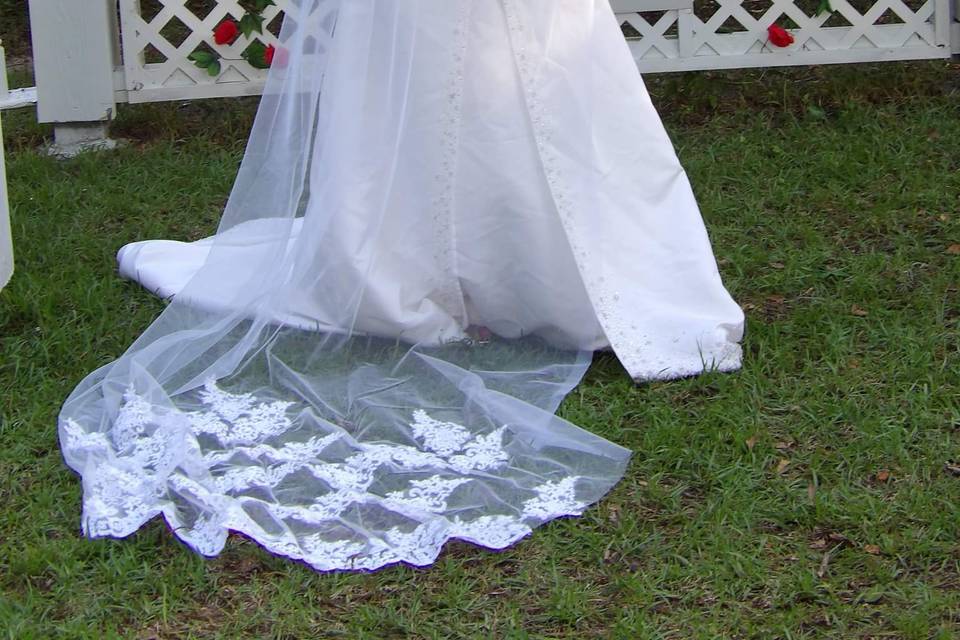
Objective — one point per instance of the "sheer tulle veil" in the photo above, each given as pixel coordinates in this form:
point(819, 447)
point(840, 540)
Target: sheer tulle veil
point(300, 409)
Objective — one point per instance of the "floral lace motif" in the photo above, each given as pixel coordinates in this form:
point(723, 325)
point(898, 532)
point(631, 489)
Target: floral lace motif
point(330, 499)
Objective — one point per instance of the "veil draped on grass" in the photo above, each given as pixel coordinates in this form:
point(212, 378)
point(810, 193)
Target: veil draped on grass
point(445, 207)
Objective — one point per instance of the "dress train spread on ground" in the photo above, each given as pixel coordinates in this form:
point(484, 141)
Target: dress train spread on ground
point(445, 207)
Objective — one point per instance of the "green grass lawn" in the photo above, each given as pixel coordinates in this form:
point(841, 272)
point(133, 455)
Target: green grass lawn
point(813, 494)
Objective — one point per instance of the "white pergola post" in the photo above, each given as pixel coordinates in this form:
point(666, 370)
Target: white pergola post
point(6, 238)
point(955, 29)
point(75, 51)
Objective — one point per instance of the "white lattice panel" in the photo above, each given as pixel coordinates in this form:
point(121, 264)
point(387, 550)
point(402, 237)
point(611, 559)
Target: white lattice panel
point(156, 46)
point(728, 35)
point(665, 35)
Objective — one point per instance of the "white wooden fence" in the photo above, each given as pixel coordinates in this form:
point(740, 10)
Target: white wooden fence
point(6, 239)
point(91, 55)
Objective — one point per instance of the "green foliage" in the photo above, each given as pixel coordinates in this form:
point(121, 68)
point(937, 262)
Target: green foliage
point(256, 6)
point(807, 496)
point(255, 54)
point(251, 23)
point(206, 60)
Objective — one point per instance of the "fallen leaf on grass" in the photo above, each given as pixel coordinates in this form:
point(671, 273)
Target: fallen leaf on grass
point(872, 595)
point(954, 249)
point(782, 465)
point(953, 468)
point(751, 442)
point(883, 475)
point(614, 514)
point(824, 564)
point(858, 311)
point(872, 549)
point(834, 540)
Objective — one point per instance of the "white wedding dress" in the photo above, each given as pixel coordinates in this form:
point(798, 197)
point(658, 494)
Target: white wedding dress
point(446, 206)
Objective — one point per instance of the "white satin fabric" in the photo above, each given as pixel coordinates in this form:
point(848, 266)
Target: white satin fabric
point(445, 207)
point(572, 217)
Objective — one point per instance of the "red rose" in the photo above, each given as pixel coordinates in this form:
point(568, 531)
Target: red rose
point(268, 54)
point(779, 36)
point(226, 32)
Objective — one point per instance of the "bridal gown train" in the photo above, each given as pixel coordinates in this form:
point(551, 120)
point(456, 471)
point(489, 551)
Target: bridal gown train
point(445, 207)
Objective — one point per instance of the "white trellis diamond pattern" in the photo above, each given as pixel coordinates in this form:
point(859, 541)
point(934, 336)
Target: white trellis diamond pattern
point(653, 39)
point(665, 35)
point(726, 34)
point(811, 35)
point(176, 77)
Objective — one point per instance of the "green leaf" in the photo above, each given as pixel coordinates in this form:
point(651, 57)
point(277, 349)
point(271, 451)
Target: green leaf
point(254, 55)
point(873, 595)
point(214, 68)
point(251, 23)
point(260, 5)
point(824, 7)
point(203, 59)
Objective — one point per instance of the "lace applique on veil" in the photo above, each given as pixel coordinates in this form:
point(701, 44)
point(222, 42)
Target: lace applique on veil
point(244, 456)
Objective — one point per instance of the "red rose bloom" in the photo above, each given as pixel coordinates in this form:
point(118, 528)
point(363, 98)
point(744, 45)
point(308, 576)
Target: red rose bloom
point(282, 57)
point(268, 54)
point(226, 32)
point(779, 36)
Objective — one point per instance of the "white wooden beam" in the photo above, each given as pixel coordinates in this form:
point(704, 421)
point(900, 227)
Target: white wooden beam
point(955, 28)
point(6, 238)
point(632, 6)
point(74, 54)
